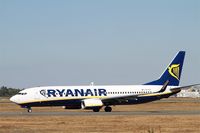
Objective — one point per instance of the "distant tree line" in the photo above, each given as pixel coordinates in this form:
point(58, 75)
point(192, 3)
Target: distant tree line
point(7, 92)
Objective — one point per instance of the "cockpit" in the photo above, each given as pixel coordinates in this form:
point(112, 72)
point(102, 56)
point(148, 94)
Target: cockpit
point(21, 93)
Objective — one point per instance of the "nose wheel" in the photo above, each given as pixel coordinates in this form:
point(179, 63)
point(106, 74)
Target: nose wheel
point(29, 110)
point(108, 109)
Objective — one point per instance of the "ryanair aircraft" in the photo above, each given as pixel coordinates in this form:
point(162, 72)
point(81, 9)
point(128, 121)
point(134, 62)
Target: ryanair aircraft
point(95, 97)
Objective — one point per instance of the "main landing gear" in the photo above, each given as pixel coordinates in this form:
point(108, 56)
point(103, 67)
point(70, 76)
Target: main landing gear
point(96, 109)
point(29, 110)
point(106, 109)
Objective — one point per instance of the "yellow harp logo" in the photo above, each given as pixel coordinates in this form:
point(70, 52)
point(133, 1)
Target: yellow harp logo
point(174, 70)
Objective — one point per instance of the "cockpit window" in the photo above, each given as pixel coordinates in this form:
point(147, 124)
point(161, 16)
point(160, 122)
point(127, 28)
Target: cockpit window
point(22, 93)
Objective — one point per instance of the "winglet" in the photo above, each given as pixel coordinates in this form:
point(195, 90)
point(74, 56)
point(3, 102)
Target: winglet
point(164, 86)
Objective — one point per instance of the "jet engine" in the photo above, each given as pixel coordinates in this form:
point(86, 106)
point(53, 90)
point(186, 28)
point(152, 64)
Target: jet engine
point(91, 103)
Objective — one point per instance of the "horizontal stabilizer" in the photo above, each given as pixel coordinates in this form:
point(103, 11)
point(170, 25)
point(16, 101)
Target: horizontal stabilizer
point(183, 87)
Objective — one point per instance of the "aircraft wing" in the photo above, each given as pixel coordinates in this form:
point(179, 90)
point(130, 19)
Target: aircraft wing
point(118, 99)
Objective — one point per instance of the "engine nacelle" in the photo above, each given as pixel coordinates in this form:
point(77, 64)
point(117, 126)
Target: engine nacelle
point(91, 103)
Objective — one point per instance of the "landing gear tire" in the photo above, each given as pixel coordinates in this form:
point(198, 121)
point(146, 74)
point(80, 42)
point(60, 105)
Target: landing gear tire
point(108, 109)
point(96, 109)
point(29, 110)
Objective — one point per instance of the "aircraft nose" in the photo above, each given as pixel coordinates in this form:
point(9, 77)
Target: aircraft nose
point(13, 99)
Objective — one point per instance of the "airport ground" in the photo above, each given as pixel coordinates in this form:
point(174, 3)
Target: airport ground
point(173, 115)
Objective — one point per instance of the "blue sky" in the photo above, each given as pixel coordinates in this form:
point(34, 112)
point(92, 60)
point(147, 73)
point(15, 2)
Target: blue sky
point(107, 41)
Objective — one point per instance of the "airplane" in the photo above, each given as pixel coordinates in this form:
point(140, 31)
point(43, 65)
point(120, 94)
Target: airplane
point(96, 97)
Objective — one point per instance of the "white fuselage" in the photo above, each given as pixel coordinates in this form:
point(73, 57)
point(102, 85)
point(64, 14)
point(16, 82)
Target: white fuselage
point(55, 93)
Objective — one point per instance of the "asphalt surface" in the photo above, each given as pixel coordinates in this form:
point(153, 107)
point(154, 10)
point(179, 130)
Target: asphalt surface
point(99, 113)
